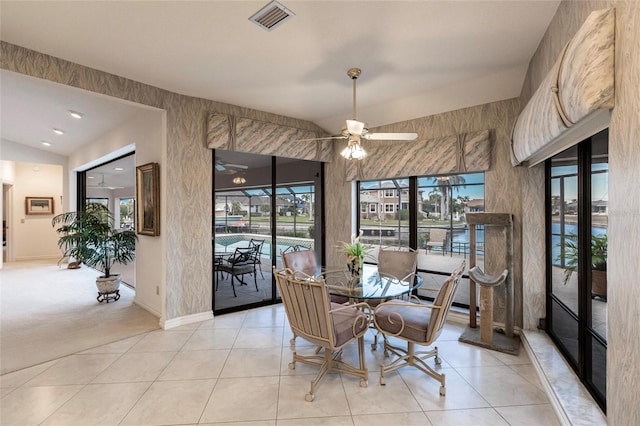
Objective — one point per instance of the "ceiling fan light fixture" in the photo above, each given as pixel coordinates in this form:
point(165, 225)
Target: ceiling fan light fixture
point(354, 150)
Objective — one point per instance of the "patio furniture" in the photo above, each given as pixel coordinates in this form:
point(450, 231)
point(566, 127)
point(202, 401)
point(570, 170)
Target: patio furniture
point(328, 325)
point(241, 263)
point(416, 323)
point(257, 245)
point(437, 238)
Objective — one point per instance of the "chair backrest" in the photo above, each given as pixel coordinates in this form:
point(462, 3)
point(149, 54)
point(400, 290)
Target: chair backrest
point(256, 243)
point(242, 256)
point(301, 260)
point(438, 235)
point(306, 304)
point(400, 264)
point(443, 302)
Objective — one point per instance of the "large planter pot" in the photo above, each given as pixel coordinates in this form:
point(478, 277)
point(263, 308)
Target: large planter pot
point(108, 288)
point(599, 283)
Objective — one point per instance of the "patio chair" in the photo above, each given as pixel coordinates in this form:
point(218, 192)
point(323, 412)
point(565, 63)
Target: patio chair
point(241, 263)
point(257, 245)
point(328, 325)
point(416, 323)
point(437, 238)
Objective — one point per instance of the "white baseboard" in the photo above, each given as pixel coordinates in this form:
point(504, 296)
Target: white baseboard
point(147, 308)
point(43, 257)
point(187, 319)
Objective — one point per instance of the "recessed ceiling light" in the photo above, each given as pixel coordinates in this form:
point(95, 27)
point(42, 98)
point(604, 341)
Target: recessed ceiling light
point(118, 169)
point(58, 131)
point(45, 143)
point(75, 114)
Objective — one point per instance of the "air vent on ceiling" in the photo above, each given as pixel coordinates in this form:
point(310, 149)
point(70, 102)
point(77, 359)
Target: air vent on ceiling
point(272, 16)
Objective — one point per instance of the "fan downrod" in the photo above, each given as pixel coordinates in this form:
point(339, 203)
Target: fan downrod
point(354, 73)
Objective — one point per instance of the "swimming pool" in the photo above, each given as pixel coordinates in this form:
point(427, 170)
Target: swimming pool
point(229, 242)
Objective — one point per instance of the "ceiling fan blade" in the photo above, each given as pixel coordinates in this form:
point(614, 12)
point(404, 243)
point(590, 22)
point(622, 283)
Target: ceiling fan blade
point(237, 166)
point(355, 127)
point(323, 139)
point(390, 136)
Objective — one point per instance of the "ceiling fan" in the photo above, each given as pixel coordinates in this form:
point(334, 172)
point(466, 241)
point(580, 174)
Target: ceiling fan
point(228, 168)
point(102, 184)
point(356, 130)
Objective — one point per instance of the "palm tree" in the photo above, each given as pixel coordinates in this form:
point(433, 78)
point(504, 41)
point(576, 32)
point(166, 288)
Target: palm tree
point(445, 186)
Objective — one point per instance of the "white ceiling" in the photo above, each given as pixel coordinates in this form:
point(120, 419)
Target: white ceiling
point(418, 57)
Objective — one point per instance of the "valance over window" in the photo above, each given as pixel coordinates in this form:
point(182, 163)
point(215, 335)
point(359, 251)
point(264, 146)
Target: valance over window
point(574, 99)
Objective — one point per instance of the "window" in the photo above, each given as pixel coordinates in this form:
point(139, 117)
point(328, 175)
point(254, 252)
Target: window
point(372, 208)
point(440, 202)
point(577, 224)
point(363, 207)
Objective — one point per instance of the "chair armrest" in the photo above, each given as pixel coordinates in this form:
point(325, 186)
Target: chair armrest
point(407, 305)
point(363, 320)
point(362, 305)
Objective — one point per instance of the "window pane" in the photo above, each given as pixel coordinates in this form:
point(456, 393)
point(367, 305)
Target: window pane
point(381, 222)
point(564, 228)
point(599, 235)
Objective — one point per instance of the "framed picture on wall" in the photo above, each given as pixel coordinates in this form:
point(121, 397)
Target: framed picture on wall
point(148, 199)
point(38, 205)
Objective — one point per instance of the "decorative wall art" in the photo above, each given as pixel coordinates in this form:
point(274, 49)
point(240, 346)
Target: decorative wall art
point(148, 199)
point(38, 205)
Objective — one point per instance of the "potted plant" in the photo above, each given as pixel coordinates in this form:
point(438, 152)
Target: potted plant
point(355, 251)
point(599, 245)
point(89, 237)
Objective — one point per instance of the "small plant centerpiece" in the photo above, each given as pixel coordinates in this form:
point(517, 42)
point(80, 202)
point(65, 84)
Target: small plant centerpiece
point(89, 237)
point(355, 251)
point(599, 245)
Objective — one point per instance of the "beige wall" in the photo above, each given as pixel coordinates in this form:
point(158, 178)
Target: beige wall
point(33, 235)
point(623, 369)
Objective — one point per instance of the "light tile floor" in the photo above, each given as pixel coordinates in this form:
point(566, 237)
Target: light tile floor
point(234, 370)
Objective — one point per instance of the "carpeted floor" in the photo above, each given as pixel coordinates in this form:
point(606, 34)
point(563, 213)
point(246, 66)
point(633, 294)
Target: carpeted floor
point(48, 312)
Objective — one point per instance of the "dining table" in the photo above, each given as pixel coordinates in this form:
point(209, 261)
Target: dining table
point(370, 284)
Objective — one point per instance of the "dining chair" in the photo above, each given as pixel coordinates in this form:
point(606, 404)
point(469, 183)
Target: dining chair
point(330, 326)
point(395, 263)
point(416, 323)
point(304, 261)
point(238, 265)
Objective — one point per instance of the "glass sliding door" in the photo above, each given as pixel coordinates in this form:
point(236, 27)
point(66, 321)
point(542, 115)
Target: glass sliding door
point(269, 203)
point(298, 217)
point(242, 231)
point(577, 219)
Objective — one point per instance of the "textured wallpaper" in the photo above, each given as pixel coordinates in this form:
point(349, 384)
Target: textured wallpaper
point(623, 269)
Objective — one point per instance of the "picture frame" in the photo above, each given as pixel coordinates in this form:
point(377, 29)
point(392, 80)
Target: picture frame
point(148, 199)
point(39, 205)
